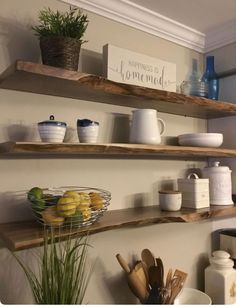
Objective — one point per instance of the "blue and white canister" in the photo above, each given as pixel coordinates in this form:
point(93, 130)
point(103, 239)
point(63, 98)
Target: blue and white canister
point(87, 130)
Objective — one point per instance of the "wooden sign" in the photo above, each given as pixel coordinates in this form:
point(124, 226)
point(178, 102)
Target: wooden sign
point(125, 66)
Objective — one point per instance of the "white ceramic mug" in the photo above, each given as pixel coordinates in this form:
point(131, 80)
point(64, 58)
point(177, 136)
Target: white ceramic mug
point(170, 200)
point(87, 130)
point(145, 127)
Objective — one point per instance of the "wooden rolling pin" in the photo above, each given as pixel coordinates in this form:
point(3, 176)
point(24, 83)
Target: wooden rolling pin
point(135, 284)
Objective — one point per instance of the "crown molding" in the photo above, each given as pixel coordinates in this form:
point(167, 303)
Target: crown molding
point(138, 17)
point(221, 36)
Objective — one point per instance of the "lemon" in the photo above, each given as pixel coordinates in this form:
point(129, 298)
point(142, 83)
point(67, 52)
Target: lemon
point(67, 213)
point(51, 218)
point(74, 195)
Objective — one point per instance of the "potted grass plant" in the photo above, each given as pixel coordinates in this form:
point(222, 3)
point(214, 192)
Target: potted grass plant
point(61, 36)
point(63, 272)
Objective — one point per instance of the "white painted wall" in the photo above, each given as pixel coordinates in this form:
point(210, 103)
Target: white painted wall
point(131, 181)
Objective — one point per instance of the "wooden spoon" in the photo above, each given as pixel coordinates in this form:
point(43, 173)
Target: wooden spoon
point(148, 258)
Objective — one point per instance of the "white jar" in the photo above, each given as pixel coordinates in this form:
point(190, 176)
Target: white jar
point(220, 279)
point(170, 200)
point(220, 185)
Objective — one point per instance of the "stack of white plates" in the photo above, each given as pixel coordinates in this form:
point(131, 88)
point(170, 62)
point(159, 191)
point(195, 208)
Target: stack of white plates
point(201, 139)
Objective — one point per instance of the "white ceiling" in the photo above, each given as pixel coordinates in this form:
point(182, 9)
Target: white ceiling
point(201, 15)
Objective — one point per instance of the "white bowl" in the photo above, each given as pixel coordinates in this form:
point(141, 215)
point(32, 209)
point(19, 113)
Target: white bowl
point(190, 296)
point(201, 139)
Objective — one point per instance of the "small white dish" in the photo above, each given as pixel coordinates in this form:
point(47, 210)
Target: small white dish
point(190, 296)
point(52, 131)
point(201, 139)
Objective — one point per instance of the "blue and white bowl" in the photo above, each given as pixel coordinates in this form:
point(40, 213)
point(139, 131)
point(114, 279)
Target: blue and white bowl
point(87, 130)
point(52, 131)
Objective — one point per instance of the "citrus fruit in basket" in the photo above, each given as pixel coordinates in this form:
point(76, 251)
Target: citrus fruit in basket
point(35, 196)
point(66, 206)
point(86, 213)
point(51, 218)
point(96, 201)
point(75, 219)
point(74, 195)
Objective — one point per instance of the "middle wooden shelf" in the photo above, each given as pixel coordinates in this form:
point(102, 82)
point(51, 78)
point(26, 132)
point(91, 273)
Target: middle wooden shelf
point(8, 149)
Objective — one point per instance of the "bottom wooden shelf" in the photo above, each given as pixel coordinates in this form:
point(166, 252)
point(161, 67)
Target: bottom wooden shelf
point(28, 234)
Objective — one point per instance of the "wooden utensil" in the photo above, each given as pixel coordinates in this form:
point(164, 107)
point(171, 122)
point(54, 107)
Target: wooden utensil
point(159, 264)
point(179, 278)
point(148, 258)
point(145, 269)
point(168, 278)
point(155, 282)
point(135, 284)
point(141, 274)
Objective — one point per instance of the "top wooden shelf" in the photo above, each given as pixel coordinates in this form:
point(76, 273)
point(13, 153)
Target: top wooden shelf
point(43, 79)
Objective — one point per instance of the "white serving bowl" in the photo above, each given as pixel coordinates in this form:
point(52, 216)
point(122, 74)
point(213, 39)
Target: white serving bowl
point(190, 296)
point(201, 139)
point(52, 131)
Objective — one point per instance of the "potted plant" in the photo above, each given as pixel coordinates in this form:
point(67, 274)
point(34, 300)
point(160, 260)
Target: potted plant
point(63, 273)
point(60, 35)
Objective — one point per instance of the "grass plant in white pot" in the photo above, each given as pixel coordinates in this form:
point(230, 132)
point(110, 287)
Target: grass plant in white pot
point(63, 272)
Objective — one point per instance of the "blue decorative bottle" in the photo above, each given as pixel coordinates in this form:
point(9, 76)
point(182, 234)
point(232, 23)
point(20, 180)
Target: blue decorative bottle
point(210, 77)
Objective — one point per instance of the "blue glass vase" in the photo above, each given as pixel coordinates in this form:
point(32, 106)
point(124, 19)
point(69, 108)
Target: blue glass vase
point(211, 78)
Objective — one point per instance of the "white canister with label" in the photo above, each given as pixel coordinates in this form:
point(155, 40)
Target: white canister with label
point(220, 184)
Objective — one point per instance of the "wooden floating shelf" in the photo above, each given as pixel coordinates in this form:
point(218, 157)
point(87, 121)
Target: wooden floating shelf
point(48, 80)
point(39, 148)
point(24, 235)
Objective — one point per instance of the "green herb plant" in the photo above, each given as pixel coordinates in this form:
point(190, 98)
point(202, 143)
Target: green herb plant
point(66, 24)
point(63, 274)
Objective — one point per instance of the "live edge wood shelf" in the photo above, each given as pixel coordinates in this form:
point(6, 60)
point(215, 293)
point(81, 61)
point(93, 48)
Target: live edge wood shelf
point(24, 235)
point(99, 150)
point(42, 79)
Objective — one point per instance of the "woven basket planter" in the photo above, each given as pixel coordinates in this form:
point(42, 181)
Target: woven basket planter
point(60, 52)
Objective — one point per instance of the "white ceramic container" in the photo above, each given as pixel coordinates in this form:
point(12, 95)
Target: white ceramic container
point(220, 184)
point(170, 200)
point(87, 130)
point(201, 139)
point(145, 127)
point(52, 131)
point(190, 296)
point(220, 279)
point(195, 192)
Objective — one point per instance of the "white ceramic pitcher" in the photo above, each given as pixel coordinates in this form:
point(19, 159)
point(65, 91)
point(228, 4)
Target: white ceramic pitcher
point(145, 127)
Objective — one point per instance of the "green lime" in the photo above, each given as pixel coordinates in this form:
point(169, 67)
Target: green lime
point(35, 193)
point(75, 219)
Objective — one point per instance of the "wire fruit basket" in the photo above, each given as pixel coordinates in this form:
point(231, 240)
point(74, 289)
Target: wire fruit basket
point(68, 206)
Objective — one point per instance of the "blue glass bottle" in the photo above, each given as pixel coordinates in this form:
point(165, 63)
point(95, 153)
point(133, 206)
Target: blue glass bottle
point(211, 78)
